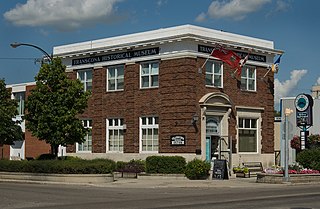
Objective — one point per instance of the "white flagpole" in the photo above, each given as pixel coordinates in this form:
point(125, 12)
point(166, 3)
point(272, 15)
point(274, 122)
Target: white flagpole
point(267, 72)
point(207, 59)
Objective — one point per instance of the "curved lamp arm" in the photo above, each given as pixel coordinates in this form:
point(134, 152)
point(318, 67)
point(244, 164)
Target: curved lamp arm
point(16, 44)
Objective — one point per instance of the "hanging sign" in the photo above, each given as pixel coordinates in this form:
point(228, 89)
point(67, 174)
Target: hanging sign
point(304, 104)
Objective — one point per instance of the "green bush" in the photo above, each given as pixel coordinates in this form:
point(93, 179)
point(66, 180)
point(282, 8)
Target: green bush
point(165, 164)
point(46, 157)
point(133, 166)
point(69, 158)
point(309, 158)
point(97, 166)
point(197, 169)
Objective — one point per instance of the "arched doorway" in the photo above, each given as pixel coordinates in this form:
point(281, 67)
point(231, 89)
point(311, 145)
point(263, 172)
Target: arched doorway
point(215, 111)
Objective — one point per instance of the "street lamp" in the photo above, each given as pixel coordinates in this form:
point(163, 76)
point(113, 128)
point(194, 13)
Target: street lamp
point(287, 112)
point(16, 44)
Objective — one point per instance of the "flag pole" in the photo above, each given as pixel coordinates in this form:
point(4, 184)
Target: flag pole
point(266, 73)
point(242, 62)
point(207, 59)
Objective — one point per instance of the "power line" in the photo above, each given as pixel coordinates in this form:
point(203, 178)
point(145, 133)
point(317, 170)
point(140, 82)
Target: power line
point(18, 58)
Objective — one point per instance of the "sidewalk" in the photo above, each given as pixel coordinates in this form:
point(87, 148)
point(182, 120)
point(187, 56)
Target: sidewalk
point(169, 182)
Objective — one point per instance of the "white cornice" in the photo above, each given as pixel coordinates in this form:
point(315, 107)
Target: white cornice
point(161, 36)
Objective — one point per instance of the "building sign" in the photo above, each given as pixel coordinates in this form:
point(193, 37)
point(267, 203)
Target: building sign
point(116, 56)
point(304, 104)
point(178, 140)
point(252, 57)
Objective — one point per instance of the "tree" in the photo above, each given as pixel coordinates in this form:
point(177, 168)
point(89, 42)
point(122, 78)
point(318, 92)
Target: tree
point(53, 107)
point(10, 130)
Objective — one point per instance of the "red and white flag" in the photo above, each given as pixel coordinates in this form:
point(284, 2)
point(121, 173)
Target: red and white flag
point(227, 56)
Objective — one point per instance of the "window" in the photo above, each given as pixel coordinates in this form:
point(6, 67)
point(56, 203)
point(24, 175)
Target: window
point(214, 74)
point(247, 135)
point(20, 98)
point(115, 78)
point(85, 76)
point(149, 134)
point(86, 146)
point(149, 75)
point(115, 135)
point(248, 78)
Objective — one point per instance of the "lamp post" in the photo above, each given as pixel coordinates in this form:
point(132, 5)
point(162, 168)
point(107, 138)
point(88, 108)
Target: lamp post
point(287, 112)
point(16, 44)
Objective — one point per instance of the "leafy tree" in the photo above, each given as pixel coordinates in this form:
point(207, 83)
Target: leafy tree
point(10, 130)
point(53, 107)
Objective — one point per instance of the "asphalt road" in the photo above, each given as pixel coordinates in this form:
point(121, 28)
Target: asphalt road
point(53, 196)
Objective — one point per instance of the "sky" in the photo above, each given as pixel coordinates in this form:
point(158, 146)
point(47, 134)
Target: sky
point(293, 26)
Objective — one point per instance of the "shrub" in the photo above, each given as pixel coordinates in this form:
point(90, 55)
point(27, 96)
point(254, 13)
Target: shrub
point(97, 166)
point(165, 164)
point(239, 169)
point(134, 166)
point(313, 141)
point(309, 158)
point(197, 169)
point(69, 158)
point(46, 157)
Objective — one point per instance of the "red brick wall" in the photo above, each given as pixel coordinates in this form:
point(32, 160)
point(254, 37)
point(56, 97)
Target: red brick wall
point(176, 100)
point(5, 152)
point(34, 147)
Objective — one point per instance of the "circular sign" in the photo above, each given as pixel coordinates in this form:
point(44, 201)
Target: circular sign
point(302, 102)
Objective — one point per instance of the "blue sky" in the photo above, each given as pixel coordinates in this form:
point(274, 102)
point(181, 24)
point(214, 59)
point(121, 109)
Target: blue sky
point(293, 25)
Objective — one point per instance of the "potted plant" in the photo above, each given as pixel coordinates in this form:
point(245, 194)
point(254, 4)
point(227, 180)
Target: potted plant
point(241, 171)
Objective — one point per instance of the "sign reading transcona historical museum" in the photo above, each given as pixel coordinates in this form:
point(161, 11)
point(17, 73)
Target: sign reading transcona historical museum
point(252, 57)
point(116, 56)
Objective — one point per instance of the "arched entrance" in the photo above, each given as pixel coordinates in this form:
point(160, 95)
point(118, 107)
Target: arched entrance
point(215, 111)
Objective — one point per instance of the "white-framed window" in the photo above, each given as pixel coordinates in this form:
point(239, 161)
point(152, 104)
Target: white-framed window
point(86, 146)
point(20, 98)
point(248, 135)
point(214, 74)
point(115, 137)
point(85, 76)
point(248, 78)
point(149, 74)
point(149, 134)
point(115, 78)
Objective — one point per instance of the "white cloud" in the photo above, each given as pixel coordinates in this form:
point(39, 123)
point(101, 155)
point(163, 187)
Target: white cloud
point(282, 6)
point(62, 14)
point(235, 9)
point(161, 3)
point(283, 89)
point(318, 81)
point(201, 17)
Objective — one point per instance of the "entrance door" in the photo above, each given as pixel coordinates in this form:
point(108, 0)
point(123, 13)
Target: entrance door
point(212, 138)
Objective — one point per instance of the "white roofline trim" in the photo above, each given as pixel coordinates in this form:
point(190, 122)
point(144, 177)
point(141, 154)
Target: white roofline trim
point(166, 35)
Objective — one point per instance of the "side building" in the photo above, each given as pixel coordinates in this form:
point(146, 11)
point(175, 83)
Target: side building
point(151, 95)
point(31, 147)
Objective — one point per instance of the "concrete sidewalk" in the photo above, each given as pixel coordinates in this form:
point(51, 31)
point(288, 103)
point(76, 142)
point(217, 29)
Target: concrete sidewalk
point(169, 182)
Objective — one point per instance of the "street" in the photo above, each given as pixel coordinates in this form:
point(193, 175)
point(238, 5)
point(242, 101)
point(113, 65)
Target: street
point(53, 196)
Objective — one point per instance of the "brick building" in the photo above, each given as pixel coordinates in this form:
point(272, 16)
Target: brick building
point(151, 96)
point(31, 147)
